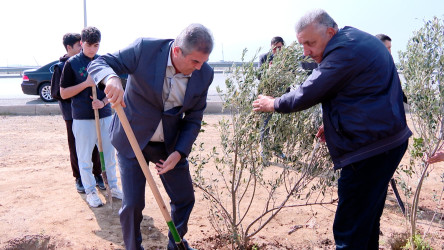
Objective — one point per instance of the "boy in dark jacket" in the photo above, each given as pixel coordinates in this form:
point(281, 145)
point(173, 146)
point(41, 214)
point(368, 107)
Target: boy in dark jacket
point(71, 42)
point(76, 84)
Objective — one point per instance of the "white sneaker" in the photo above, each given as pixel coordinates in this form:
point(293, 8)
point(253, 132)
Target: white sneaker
point(94, 200)
point(116, 193)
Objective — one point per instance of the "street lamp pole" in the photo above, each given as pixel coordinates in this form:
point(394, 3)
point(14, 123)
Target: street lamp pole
point(84, 13)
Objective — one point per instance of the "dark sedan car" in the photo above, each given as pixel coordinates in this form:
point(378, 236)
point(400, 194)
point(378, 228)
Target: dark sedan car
point(38, 82)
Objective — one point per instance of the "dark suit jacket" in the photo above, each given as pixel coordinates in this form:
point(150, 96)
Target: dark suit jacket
point(145, 63)
point(265, 57)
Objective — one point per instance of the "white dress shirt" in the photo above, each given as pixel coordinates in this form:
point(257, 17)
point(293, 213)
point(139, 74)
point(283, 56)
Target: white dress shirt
point(173, 94)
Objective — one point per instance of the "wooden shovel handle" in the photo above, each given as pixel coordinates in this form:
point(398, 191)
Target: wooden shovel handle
point(97, 119)
point(142, 162)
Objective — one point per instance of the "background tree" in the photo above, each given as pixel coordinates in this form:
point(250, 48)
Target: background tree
point(301, 171)
point(422, 65)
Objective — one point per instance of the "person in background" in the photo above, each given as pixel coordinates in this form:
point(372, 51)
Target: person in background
point(363, 116)
point(276, 45)
point(164, 101)
point(386, 40)
point(76, 84)
point(71, 42)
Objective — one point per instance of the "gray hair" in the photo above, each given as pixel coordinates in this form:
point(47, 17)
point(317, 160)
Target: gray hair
point(195, 37)
point(317, 16)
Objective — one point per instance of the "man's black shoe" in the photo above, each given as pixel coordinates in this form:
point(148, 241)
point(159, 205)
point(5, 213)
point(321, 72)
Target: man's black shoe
point(79, 186)
point(99, 182)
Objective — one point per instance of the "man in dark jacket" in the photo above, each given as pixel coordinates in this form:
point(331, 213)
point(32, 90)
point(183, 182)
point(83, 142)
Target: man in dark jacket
point(71, 42)
point(364, 120)
point(276, 44)
point(386, 40)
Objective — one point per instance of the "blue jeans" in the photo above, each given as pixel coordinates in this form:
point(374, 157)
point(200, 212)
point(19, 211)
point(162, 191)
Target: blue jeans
point(86, 138)
point(177, 183)
point(362, 189)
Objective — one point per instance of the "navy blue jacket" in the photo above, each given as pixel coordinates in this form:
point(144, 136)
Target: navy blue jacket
point(75, 72)
point(145, 62)
point(359, 88)
point(264, 57)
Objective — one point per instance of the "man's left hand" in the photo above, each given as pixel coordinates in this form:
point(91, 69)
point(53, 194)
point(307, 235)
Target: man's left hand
point(164, 166)
point(263, 103)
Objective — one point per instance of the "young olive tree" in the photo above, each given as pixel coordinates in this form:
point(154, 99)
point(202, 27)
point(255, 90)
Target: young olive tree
point(422, 65)
point(300, 172)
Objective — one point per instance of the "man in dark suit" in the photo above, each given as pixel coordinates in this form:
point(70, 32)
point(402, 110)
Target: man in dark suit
point(164, 99)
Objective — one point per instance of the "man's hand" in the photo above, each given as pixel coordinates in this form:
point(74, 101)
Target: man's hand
point(321, 134)
point(171, 162)
point(263, 104)
point(437, 157)
point(114, 91)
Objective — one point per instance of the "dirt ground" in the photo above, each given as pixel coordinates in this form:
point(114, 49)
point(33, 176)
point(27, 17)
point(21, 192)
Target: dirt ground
point(40, 208)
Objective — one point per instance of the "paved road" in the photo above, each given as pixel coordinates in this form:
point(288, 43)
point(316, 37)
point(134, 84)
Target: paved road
point(14, 102)
point(21, 104)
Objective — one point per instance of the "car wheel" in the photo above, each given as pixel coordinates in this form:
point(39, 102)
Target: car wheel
point(45, 92)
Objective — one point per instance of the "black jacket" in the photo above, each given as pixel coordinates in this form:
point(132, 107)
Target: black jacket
point(64, 104)
point(75, 72)
point(359, 88)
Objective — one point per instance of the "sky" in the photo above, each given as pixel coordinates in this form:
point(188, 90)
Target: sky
point(32, 30)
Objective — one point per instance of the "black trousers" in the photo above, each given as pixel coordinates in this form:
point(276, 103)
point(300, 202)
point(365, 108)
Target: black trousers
point(177, 183)
point(362, 189)
point(97, 169)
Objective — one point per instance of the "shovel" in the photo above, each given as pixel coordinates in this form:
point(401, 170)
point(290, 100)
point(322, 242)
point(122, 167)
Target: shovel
point(149, 177)
point(99, 145)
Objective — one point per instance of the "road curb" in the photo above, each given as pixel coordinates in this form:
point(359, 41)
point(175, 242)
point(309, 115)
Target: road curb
point(33, 109)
